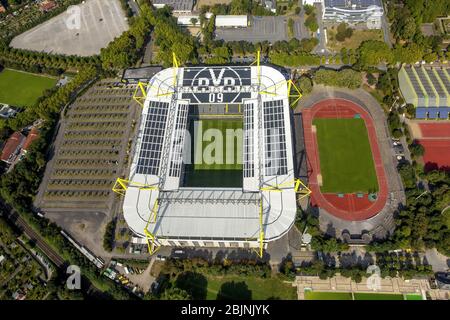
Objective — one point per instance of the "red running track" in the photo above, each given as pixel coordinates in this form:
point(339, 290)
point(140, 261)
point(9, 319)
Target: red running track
point(435, 129)
point(350, 208)
point(436, 141)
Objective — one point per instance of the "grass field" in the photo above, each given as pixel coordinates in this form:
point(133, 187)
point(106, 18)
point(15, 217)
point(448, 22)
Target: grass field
point(22, 89)
point(217, 154)
point(251, 288)
point(354, 41)
point(346, 161)
point(312, 295)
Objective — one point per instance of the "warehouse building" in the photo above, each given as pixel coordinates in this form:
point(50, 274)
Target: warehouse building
point(231, 21)
point(428, 89)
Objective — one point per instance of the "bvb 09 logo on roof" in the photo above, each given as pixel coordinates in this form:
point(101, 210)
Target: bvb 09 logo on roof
point(374, 18)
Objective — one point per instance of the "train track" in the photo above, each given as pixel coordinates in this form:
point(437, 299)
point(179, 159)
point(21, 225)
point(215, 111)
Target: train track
point(21, 224)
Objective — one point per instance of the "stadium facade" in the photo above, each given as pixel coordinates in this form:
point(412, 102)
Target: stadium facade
point(428, 89)
point(160, 207)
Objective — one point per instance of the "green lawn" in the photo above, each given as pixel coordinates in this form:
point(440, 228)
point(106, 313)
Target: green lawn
point(313, 295)
point(250, 287)
point(216, 153)
point(22, 89)
point(378, 296)
point(346, 161)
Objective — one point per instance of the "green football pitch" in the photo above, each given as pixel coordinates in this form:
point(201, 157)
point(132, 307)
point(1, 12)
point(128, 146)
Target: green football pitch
point(346, 161)
point(314, 295)
point(22, 89)
point(216, 153)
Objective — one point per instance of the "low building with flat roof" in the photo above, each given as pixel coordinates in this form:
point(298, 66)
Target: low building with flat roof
point(178, 6)
point(144, 74)
point(230, 21)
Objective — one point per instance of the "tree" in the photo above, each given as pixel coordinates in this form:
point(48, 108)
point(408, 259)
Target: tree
point(408, 54)
point(291, 28)
point(346, 78)
point(194, 21)
point(311, 23)
point(373, 52)
point(175, 294)
point(305, 85)
point(416, 149)
point(343, 32)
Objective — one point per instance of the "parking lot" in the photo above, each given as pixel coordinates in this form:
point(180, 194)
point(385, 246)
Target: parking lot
point(261, 29)
point(82, 30)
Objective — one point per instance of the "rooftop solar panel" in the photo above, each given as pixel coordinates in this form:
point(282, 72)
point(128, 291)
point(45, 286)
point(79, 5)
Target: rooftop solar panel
point(443, 76)
point(436, 83)
point(178, 140)
point(153, 138)
point(425, 83)
point(274, 138)
point(249, 156)
point(415, 82)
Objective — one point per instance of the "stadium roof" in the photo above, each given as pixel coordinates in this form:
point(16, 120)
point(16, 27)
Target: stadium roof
point(213, 213)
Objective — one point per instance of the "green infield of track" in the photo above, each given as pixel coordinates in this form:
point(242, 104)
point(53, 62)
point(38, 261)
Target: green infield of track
point(215, 175)
point(314, 295)
point(22, 89)
point(346, 161)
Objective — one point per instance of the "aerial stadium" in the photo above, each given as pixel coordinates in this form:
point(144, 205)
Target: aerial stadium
point(247, 195)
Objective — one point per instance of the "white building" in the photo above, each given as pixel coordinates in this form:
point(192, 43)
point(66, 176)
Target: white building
point(6, 111)
point(231, 21)
point(354, 11)
point(159, 206)
point(189, 20)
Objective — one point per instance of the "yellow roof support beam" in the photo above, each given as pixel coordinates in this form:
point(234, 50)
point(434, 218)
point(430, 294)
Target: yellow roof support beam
point(122, 185)
point(140, 94)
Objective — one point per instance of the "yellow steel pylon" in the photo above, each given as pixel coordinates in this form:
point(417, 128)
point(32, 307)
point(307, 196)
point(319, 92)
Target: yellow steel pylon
point(122, 185)
point(152, 241)
point(296, 96)
point(140, 89)
point(299, 188)
point(258, 64)
point(176, 65)
point(261, 230)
